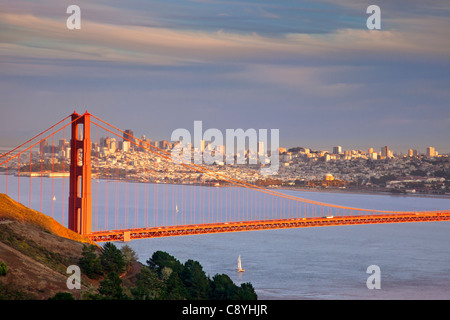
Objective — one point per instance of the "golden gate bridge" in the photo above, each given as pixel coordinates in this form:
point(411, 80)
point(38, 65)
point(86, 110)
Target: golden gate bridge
point(171, 198)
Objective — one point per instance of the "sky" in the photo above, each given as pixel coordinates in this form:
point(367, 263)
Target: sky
point(311, 69)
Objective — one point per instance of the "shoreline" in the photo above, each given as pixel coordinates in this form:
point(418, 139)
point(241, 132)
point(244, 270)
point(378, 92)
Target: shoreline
point(285, 188)
point(367, 192)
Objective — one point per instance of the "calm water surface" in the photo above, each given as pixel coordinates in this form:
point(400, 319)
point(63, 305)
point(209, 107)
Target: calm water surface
point(309, 263)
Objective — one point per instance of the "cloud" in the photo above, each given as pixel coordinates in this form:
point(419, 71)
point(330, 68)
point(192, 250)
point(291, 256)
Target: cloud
point(26, 35)
point(347, 81)
point(267, 14)
point(309, 81)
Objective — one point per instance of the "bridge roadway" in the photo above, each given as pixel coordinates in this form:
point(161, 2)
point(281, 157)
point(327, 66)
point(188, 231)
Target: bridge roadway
point(221, 227)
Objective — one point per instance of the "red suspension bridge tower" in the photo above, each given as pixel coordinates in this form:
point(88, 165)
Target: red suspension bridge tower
point(80, 197)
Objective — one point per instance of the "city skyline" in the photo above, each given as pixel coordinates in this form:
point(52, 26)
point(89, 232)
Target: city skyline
point(411, 173)
point(332, 149)
point(131, 142)
point(310, 69)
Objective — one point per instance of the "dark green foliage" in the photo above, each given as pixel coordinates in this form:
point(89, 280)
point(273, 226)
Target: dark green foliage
point(443, 174)
point(90, 263)
point(112, 259)
point(111, 287)
point(246, 292)
point(148, 287)
point(161, 259)
point(383, 179)
point(189, 281)
point(129, 255)
point(223, 288)
point(3, 269)
point(165, 278)
point(418, 172)
point(62, 296)
point(174, 289)
point(195, 280)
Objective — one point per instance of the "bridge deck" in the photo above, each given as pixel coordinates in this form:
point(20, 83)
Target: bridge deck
point(183, 230)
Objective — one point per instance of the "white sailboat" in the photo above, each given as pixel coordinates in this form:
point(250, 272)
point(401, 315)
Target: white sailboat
point(54, 198)
point(239, 266)
point(176, 208)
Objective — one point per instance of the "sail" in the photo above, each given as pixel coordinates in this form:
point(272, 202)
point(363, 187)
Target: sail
point(239, 265)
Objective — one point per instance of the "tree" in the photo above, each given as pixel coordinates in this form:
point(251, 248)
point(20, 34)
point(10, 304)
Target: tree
point(165, 273)
point(3, 269)
point(175, 289)
point(161, 259)
point(383, 179)
point(62, 296)
point(149, 286)
point(129, 255)
point(169, 279)
point(419, 173)
point(223, 288)
point(111, 287)
point(112, 259)
point(246, 292)
point(90, 263)
point(195, 280)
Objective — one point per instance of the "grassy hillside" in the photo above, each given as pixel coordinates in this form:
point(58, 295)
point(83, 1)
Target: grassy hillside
point(12, 210)
point(37, 251)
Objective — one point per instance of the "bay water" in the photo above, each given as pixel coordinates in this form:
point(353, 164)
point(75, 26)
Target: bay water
point(306, 263)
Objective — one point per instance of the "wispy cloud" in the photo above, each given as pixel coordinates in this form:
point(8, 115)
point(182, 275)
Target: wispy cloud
point(272, 63)
point(25, 35)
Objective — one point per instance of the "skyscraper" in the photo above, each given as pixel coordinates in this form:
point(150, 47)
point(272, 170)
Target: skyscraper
point(126, 146)
point(202, 145)
point(128, 135)
point(337, 150)
point(431, 152)
point(260, 148)
point(385, 151)
point(43, 146)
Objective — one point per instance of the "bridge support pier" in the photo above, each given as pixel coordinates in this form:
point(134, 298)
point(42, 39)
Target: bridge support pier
point(80, 197)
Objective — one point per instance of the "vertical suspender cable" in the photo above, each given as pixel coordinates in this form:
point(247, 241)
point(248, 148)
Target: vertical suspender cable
point(29, 192)
point(53, 168)
point(18, 179)
point(63, 175)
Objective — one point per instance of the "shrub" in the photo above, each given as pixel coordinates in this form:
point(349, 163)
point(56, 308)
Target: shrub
point(90, 263)
point(112, 259)
point(62, 296)
point(3, 269)
point(111, 287)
